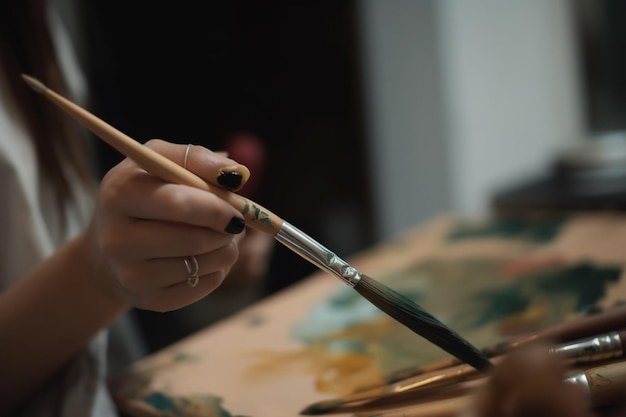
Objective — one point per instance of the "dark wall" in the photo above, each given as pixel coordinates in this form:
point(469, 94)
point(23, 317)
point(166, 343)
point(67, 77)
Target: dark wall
point(286, 71)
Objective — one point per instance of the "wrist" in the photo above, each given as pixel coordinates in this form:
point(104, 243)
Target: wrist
point(98, 273)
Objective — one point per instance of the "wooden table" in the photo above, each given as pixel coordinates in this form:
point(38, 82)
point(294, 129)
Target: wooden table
point(488, 280)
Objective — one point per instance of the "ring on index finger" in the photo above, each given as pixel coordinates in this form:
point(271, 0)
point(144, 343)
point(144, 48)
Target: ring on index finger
point(187, 149)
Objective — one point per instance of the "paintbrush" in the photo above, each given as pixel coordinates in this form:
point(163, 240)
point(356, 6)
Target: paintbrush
point(605, 385)
point(602, 386)
point(598, 348)
point(564, 331)
point(413, 389)
point(574, 334)
point(387, 300)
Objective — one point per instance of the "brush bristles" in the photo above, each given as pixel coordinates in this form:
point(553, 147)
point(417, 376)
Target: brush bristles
point(322, 407)
point(421, 322)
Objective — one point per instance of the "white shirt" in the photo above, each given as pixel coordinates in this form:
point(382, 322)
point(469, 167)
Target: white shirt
point(31, 231)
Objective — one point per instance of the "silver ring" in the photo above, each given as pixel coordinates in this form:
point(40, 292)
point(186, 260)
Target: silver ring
point(186, 155)
point(191, 264)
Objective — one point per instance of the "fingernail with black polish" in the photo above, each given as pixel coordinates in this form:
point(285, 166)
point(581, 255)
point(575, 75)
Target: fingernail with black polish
point(235, 226)
point(229, 179)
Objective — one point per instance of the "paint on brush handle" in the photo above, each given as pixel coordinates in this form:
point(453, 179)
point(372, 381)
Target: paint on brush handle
point(605, 385)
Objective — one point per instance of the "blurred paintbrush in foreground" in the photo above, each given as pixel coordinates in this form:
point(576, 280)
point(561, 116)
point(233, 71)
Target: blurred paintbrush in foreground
point(422, 388)
point(602, 386)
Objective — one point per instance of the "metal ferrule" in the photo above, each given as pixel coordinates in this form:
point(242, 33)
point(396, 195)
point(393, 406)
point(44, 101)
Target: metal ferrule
point(592, 349)
point(311, 250)
point(581, 380)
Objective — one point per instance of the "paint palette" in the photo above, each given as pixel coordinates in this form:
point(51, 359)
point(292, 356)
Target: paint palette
point(489, 280)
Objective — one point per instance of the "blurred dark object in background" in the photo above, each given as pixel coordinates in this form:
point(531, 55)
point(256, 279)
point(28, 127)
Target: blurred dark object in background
point(589, 177)
point(285, 73)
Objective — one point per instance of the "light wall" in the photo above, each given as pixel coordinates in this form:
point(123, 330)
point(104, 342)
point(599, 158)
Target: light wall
point(464, 97)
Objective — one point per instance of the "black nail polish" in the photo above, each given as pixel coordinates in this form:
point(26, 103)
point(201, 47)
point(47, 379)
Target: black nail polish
point(230, 179)
point(235, 226)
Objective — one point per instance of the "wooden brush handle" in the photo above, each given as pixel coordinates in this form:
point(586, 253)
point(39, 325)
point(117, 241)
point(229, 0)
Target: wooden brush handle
point(607, 384)
point(156, 164)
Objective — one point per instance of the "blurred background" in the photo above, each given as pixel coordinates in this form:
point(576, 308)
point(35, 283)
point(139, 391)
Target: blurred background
point(372, 116)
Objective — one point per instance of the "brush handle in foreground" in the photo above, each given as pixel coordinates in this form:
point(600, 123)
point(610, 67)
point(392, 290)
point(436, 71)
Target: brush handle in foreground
point(604, 384)
point(156, 164)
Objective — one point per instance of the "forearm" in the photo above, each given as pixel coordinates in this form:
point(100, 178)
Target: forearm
point(48, 317)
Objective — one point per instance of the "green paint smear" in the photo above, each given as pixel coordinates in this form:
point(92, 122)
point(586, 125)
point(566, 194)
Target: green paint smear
point(344, 309)
point(534, 230)
point(185, 357)
point(257, 320)
point(162, 402)
point(187, 406)
point(585, 281)
point(470, 295)
point(502, 302)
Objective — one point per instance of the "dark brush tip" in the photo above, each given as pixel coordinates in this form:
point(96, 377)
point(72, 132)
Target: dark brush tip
point(322, 407)
point(421, 322)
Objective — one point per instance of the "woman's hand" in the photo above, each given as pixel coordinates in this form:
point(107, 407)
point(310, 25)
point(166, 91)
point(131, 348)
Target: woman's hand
point(132, 254)
point(144, 228)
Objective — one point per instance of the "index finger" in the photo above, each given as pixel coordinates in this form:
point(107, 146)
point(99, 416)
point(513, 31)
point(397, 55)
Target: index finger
point(212, 167)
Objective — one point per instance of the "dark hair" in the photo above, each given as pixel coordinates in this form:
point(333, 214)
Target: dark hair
point(26, 47)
